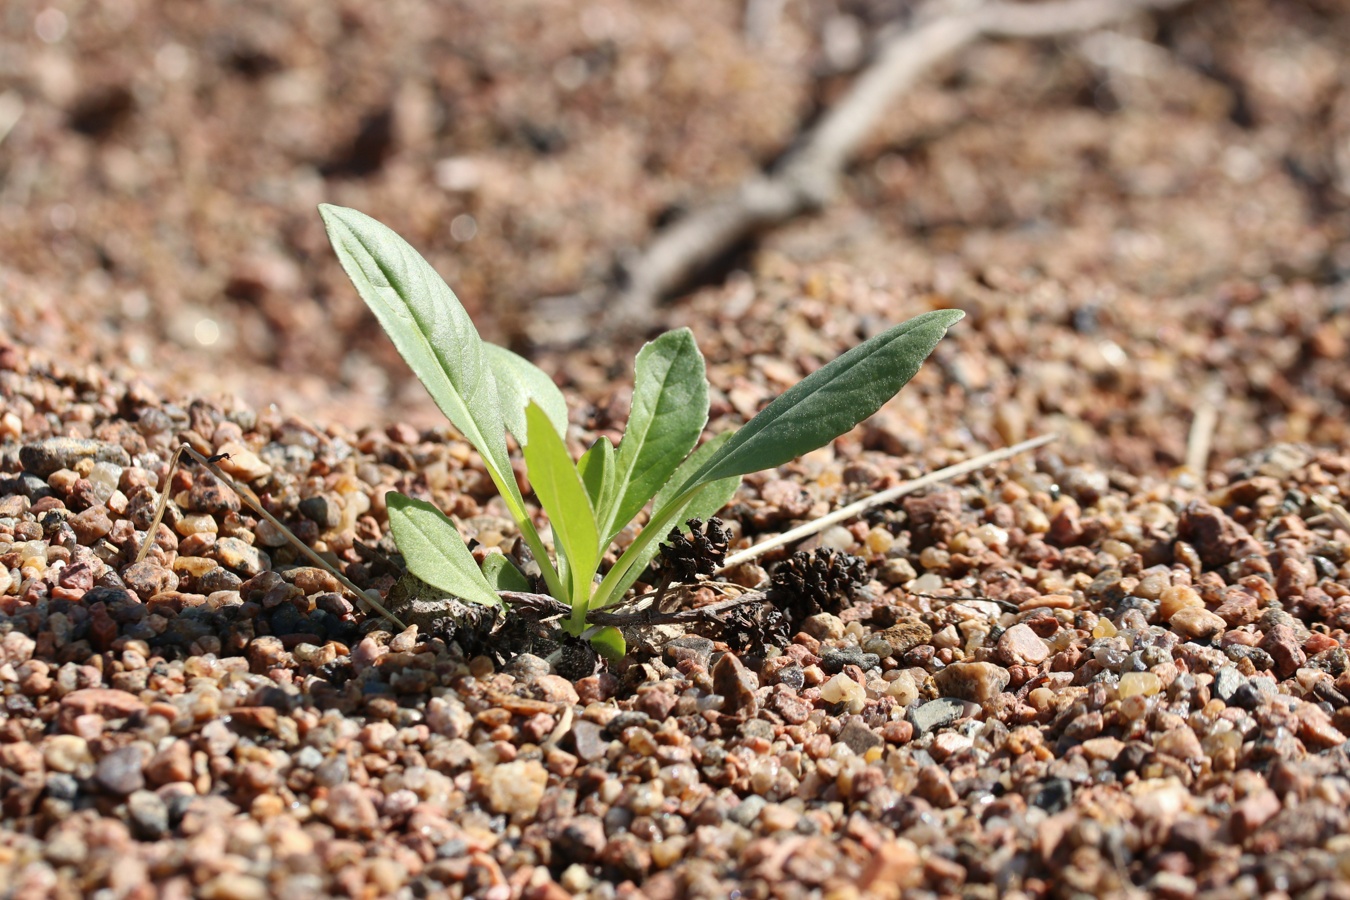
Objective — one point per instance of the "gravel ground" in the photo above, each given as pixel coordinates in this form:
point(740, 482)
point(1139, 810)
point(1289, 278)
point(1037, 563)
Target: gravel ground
point(1091, 671)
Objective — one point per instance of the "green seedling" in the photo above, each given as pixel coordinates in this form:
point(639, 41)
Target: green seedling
point(487, 392)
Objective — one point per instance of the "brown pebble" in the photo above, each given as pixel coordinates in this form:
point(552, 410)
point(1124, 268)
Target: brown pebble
point(1019, 645)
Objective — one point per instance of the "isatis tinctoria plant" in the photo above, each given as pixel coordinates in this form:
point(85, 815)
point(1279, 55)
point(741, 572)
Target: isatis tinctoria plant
point(487, 392)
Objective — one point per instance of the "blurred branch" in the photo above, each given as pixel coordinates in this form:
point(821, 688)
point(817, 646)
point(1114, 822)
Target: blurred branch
point(808, 176)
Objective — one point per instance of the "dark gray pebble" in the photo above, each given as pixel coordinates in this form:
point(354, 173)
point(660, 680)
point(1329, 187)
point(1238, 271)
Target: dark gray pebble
point(833, 661)
point(42, 458)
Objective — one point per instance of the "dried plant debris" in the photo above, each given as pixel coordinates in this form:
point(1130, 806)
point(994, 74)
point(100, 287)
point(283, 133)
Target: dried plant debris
point(686, 556)
point(809, 582)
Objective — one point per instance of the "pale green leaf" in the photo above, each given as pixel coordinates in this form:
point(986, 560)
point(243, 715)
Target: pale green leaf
point(564, 499)
point(503, 575)
point(669, 410)
point(430, 328)
point(518, 382)
point(597, 470)
point(434, 550)
point(831, 400)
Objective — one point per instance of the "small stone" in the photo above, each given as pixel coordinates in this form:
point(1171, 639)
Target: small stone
point(905, 635)
point(937, 713)
point(241, 557)
point(1104, 748)
point(242, 463)
point(1020, 646)
point(351, 811)
point(66, 753)
point(106, 702)
point(234, 886)
point(173, 763)
point(859, 738)
point(516, 788)
point(1226, 683)
point(149, 578)
point(897, 571)
point(1197, 623)
point(1181, 742)
point(1174, 598)
point(834, 661)
point(149, 815)
point(91, 525)
point(1251, 813)
point(1282, 644)
point(844, 690)
point(824, 626)
point(42, 458)
point(1131, 683)
point(321, 511)
point(974, 681)
point(581, 839)
point(737, 684)
point(120, 771)
point(892, 867)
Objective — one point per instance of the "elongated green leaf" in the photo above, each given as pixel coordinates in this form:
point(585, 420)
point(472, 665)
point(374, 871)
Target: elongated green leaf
point(503, 575)
point(597, 470)
point(669, 410)
point(430, 328)
point(831, 400)
point(563, 497)
point(670, 502)
point(518, 382)
point(439, 342)
point(435, 551)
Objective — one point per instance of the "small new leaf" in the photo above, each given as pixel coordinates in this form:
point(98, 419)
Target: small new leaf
point(563, 496)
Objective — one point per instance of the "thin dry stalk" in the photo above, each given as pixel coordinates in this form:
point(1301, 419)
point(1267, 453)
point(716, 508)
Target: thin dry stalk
point(855, 509)
point(246, 494)
point(1201, 436)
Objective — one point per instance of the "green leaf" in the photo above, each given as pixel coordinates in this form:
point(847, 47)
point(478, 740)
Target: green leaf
point(518, 382)
point(609, 643)
point(439, 342)
point(563, 497)
point(434, 550)
point(669, 410)
point(675, 503)
point(430, 328)
point(831, 400)
point(502, 575)
point(597, 470)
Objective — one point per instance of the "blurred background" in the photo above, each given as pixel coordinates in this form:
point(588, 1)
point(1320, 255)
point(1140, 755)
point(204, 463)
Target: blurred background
point(1143, 222)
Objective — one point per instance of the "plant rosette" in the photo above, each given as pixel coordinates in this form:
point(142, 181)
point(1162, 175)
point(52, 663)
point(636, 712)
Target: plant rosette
point(486, 392)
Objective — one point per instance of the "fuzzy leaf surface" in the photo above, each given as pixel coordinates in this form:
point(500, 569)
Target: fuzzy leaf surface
point(518, 382)
point(669, 410)
point(430, 328)
point(502, 575)
point(434, 550)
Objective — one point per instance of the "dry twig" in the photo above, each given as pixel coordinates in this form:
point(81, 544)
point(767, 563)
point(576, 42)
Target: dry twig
point(808, 176)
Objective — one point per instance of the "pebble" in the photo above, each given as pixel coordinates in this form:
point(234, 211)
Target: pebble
point(1197, 623)
point(1020, 646)
point(516, 788)
point(974, 681)
point(240, 557)
point(43, 458)
point(936, 714)
point(242, 463)
point(905, 635)
point(119, 772)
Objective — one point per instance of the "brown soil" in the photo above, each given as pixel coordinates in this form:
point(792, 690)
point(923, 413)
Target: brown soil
point(1144, 226)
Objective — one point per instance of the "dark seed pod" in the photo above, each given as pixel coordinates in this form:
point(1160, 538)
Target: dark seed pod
point(808, 583)
point(752, 628)
point(684, 557)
